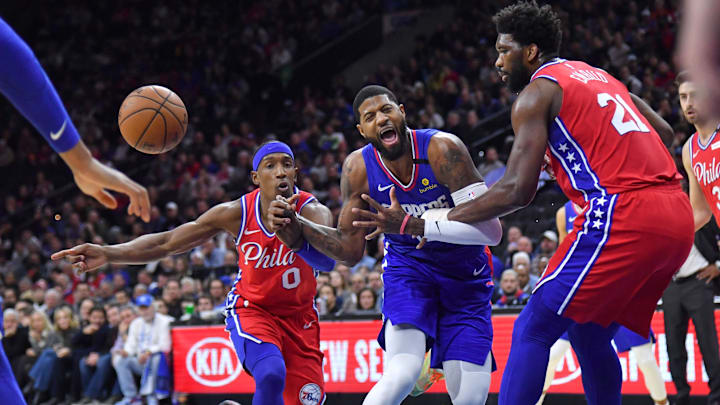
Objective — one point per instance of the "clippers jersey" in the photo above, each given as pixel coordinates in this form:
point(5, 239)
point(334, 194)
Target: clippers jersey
point(423, 193)
point(705, 163)
point(600, 143)
point(270, 275)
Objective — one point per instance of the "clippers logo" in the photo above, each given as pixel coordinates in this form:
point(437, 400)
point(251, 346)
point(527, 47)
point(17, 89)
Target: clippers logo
point(212, 362)
point(310, 394)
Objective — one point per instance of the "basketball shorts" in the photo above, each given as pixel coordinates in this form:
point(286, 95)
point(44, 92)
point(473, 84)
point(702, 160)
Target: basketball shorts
point(625, 339)
point(454, 313)
point(298, 338)
point(620, 257)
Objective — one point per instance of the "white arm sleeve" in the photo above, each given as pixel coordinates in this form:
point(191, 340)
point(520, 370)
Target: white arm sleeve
point(438, 228)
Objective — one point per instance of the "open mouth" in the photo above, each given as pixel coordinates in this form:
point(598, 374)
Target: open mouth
point(389, 136)
point(283, 187)
point(504, 77)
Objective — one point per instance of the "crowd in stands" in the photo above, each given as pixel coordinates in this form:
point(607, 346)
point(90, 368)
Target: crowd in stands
point(221, 61)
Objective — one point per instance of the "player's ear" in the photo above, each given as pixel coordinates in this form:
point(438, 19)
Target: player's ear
point(402, 110)
point(532, 52)
point(255, 178)
point(359, 128)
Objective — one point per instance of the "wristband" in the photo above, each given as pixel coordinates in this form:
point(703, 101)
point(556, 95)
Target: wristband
point(315, 259)
point(404, 223)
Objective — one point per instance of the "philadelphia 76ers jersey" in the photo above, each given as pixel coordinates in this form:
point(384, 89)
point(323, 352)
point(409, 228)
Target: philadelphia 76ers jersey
point(270, 275)
point(705, 163)
point(600, 143)
point(570, 214)
point(422, 193)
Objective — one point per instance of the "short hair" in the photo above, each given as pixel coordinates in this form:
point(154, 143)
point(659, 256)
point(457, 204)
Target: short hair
point(520, 255)
point(510, 272)
point(530, 23)
point(682, 77)
point(371, 91)
point(10, 312)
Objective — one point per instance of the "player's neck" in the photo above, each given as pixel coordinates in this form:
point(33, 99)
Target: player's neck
point(264, 205)
point(401, 167)
point(707, 128)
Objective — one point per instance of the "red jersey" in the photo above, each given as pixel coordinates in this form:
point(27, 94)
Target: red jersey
point(600, 143)
point(705, 163)
point(270, 275)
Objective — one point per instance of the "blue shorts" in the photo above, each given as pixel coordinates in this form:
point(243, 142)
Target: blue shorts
point(625, 339)
point(453, 312)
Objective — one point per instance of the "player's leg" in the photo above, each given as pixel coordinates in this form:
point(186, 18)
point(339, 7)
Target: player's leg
point(536, 329)
point(557, 352)
point(9, 390)
point(262, 359)
point(601, 372)
point(468, 383)
point(405, 348)
point(651, 372)
point(304, 383)
point(699, 303)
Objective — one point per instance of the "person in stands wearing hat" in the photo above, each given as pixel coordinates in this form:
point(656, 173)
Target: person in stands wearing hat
point(149, 334)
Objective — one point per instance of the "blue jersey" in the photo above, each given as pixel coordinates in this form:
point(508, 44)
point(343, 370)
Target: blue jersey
point(422, 193)
point(570, 215)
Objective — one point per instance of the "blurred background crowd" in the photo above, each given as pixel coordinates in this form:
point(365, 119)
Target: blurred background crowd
point(227, 63)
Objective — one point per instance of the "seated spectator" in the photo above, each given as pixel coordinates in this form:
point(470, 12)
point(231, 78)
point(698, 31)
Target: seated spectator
point(321, 280)
point(24, 310)
point(217, 294)
point(521, 265)
point(84, 311)
point(341, 291)
point(512, 236)
point(48, 372)
point(94, 364)
point(204, 313)
point(509, 294)
point(375, 282)
point(548, 243)
point(328, 302)
point(357, 283)
point(15, 341)
point(171, 296)
point(9, 299)
point(148, 338)
point(138, 290)
point(122, 297)
point(491, 161)
point(188, 288)
point(366, 303)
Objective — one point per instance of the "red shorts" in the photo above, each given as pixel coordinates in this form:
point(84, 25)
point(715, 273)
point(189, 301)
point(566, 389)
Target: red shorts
point(620, 257)
point(298, 338)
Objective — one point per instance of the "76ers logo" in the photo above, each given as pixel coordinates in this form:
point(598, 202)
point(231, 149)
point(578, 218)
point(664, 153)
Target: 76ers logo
point(310, 394)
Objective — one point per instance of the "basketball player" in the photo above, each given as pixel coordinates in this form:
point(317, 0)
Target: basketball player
point(606, 154)
point(437, 296)
point(624, 339)
point(24, 82)
point(270, 315)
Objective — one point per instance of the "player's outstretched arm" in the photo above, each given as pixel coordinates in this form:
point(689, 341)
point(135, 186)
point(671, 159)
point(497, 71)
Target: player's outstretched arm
point(661, 126)
point(453, 167)
point(532, 112)
point(701, 208)
point(146, 248)
point(345, 243)
point(24, 82)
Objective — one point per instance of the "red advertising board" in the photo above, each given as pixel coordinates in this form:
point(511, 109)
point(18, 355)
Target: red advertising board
point(204, 360)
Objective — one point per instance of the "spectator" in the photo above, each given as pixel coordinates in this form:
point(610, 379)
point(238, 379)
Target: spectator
point(148, 338)
point(204, 313)
point(509, 293)
point(366, 303)
point(217, 294)
point(15, 341)
point(171, 297)
point(357, 284)
point(321, 280)
point(521, 265)
point(48, 372)
point(138, 290)
point(84, 311)
point(9, 298)
point(52, 300)
point(329, 303)
point(80, 292)
point(122, 297)
point(548, 243)
point(341, 291)
point(93, 345)
point(491, 161)
point(375, 282)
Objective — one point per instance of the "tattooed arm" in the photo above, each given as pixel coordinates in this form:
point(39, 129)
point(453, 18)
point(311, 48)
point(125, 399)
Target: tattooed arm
point(346, 243)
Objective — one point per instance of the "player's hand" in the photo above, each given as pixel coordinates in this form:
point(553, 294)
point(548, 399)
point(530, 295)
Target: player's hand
point(386, 220)
point(84, 258)
point(709, 273)
point(547, 167)
point(96, 178)
point(143, 358)
point(284, 222)
point(422, 243)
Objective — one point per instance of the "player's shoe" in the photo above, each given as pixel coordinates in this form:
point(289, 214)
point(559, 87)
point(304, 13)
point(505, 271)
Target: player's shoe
point(428, 377)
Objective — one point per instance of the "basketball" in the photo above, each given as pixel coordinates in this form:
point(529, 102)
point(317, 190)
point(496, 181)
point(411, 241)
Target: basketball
point(152, 119)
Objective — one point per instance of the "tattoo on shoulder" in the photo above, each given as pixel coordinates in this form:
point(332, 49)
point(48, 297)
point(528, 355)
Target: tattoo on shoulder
point(450, 167)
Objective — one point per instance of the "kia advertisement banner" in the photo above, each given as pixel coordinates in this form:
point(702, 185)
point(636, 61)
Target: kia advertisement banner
point(204, 360)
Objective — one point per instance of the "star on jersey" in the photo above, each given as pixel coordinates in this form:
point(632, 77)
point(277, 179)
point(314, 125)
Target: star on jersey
point(570, 157)
point(563, 147)
point(597, 224)
point(601, 201)
point(598, 213)
point(576, 168)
